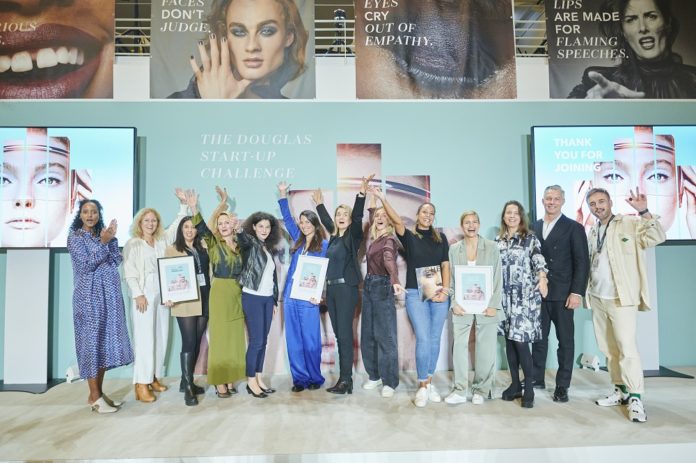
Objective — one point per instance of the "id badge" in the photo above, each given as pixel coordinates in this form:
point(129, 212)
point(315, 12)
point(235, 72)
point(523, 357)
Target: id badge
point(201, 279)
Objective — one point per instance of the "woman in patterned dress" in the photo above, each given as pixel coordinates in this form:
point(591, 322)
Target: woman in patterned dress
point(524, 284)
point(101, 336)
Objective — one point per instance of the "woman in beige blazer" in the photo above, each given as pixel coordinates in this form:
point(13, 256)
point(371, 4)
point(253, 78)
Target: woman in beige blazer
point(475, 250)
point(192, 317)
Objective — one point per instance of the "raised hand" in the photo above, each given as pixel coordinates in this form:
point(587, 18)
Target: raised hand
point(108, 233)
point(637, 201)
point(283, 188)
point(222, 193)
point(181, 194)
point(192, 200)
point(606, 88)
point(377, 192)
point(366, 183)
point(317, 197)
point(216, 79)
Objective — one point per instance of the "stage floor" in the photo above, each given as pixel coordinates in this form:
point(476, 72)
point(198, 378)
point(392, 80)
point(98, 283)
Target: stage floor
point(317, 426)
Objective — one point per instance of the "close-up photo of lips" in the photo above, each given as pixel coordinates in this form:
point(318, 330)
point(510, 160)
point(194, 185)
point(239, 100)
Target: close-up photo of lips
point(436, 49)
point(51, 49)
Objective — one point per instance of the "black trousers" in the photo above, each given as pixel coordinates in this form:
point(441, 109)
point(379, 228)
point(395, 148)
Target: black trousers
point(378, 331)
point(258, 312)
point(341, 300)
point(562, 318)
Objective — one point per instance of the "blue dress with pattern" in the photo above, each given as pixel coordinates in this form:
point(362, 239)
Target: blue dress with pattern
point(101, 335)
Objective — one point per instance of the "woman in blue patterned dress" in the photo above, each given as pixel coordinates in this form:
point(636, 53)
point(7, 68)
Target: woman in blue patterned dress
point(524, 284)
point(101, 336)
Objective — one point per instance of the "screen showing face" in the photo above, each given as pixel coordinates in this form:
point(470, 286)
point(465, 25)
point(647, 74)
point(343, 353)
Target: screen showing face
point(46, 171)
point(658, 161)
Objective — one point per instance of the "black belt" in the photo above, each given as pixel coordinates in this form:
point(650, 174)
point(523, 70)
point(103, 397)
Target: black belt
point(337, 281)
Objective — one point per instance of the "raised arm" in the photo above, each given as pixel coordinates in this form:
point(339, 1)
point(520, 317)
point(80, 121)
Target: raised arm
point(324, 216)
point(221, 207)
point(288, 220)
point(170, 232)
point(394, 216)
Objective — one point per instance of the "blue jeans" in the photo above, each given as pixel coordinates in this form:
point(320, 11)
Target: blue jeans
point(427, 319)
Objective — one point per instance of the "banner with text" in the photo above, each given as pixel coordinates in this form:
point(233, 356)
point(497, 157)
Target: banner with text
point(416, 49)
point(621, 49)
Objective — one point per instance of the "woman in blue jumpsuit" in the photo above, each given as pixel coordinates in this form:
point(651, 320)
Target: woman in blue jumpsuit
point(302, 327)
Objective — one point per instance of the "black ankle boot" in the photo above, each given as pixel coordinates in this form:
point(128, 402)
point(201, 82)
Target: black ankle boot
point(512, 393)
point(528, 397)
point(187, 363)
point(198, 390)
point(342, 387)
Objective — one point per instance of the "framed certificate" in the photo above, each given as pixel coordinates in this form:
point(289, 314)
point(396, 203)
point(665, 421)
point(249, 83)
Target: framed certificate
point(177, 279)
point(473, 286)
point(308, 279)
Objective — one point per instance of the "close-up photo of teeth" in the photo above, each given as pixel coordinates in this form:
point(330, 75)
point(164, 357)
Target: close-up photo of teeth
point(25, 61)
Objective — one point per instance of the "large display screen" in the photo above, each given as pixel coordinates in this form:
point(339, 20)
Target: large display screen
point(46, 171)
point(658, 160)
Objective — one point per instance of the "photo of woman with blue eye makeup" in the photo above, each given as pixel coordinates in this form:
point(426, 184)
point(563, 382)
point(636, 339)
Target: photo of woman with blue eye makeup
point(646, 162)
point(254, 48)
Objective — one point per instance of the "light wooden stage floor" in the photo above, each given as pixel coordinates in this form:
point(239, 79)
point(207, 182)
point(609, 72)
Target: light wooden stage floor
point(315, 426)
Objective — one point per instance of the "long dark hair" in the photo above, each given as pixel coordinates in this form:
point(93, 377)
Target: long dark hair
point(273, 237)
point(523, 229)
point(315, 245)
point(180, 241)
point(77, 221)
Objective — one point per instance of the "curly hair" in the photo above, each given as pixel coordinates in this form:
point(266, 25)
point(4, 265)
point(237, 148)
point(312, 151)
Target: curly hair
point(294, 60)
point(77, 221)
point(273, 237)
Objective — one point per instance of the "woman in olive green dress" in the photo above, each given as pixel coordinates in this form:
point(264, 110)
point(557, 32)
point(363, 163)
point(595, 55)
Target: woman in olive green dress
point(227, 346)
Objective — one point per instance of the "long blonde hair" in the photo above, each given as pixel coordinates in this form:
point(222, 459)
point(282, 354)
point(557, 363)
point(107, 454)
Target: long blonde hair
point(136, 229)
point(373, 227)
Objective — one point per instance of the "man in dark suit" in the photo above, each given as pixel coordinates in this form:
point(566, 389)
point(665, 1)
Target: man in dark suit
point(564, 246)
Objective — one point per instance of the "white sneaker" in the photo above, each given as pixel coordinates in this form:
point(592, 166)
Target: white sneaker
point(433, 395)
point(369, 384)
point(636, 412)
point(455, 398)
point(421, 397)
point(477, 399)
point(617, 397)
point(387, 392)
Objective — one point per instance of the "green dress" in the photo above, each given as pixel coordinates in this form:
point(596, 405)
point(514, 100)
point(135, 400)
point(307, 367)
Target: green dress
point(227, 344)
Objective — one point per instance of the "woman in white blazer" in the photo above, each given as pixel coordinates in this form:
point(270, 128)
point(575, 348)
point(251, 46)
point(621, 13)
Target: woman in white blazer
point(150, 318)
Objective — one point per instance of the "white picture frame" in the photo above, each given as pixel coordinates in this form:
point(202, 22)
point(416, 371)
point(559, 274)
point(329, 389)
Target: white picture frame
point(177, 279)
point(473, 287)
point(309, 278)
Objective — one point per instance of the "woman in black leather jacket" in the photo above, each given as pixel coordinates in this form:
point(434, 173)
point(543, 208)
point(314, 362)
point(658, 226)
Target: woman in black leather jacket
point(343, 277)
point(256, 239)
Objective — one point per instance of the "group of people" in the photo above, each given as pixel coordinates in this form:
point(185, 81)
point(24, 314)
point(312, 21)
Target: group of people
point(538, 276)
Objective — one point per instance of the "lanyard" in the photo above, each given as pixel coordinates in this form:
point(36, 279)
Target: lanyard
point(600, 242)
point(194, 252)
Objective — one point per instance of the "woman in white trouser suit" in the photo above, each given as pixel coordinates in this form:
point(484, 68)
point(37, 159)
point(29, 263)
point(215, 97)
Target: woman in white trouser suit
point(150, 318)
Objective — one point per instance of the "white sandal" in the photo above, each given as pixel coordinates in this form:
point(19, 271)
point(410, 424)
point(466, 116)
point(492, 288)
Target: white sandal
point(100, 406)
point(112, 403)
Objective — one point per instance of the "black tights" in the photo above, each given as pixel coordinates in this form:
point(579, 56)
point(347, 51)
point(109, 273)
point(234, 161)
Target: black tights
point(518, 354)
point(192, 329)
